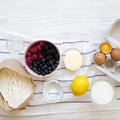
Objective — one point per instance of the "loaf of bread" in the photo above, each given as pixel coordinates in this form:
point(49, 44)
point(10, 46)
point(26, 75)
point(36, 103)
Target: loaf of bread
point(16, 89)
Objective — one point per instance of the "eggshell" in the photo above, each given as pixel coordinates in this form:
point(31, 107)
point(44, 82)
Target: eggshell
point(99, 58)
point(115, 54)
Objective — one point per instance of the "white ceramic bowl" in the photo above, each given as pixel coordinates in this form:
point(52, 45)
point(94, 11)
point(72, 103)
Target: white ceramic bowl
point(33, 74)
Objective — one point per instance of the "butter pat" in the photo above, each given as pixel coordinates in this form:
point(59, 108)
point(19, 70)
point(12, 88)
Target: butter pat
point(73, 60)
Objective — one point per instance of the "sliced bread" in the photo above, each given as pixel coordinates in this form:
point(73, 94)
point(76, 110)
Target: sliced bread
point(15, 88)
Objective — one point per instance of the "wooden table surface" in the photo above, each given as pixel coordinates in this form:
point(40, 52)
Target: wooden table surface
point(64, 20)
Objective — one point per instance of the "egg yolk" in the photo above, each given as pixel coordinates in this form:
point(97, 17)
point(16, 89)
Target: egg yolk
point(105, 47)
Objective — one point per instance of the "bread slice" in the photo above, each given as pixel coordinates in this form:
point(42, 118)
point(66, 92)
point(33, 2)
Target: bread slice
point(15, 88)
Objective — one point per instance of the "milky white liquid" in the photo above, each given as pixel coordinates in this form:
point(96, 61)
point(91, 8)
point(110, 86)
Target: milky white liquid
point(102, 93)
point(73, 60)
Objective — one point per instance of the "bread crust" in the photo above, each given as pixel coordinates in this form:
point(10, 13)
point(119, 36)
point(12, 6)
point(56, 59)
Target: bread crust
point(16, 71)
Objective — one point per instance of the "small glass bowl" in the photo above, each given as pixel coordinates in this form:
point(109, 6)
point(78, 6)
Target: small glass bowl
point(93, 101)
point(52, 91)
point(105, 45)
point(15, 45)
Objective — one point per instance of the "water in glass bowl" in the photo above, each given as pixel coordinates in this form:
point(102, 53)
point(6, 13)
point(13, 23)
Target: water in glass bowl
point(52, 91)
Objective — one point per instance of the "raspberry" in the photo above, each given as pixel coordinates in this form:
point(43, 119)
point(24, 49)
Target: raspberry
point(28, 54)
point(38, 47)
point(34, 50)
point(38, 52)
point(34, 57)
point(41, 56)
point(29, 61)
point(41, 43)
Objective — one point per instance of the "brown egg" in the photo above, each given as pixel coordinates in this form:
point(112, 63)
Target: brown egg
point(115, 54)
point(99, 58)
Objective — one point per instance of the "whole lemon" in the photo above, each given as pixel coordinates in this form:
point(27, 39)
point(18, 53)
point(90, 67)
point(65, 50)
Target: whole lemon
point(79, 85)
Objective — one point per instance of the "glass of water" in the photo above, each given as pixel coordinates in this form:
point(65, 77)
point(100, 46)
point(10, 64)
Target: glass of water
point(52, 91)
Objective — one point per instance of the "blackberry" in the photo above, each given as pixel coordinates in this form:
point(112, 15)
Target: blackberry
point(48, 57)
point(50, 45)
point(49, 52)
point(45, 46)
point(57, 57)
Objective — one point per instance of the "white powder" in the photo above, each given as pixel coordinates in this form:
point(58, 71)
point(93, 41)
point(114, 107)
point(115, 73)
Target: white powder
point(102, 93)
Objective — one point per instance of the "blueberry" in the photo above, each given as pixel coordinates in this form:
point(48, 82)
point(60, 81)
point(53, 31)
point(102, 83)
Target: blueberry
point(43, 60)
point(31, 67)
point(34, 68)
point(39, 69)
point(46, 71)
point(43, 63)
point(45, 66)
point(57, 62)
point(39, 72)
point(34, 63)
point(49, 71)
point(53, 60)
point(53, 67)
point(49, 68)
point(50, 62)
point(40, 61)
point(40, 65)
point(37, 63)
point(43, 73)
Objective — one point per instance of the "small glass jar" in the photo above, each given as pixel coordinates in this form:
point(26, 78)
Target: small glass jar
point(52, 91)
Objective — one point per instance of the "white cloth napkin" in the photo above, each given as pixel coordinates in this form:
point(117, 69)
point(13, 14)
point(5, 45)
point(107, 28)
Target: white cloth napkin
point(69, 102)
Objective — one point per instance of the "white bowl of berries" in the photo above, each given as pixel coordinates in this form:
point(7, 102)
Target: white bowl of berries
point(42, 59)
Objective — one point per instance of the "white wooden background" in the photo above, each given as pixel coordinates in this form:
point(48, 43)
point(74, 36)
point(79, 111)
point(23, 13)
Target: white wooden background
point(61, 20)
